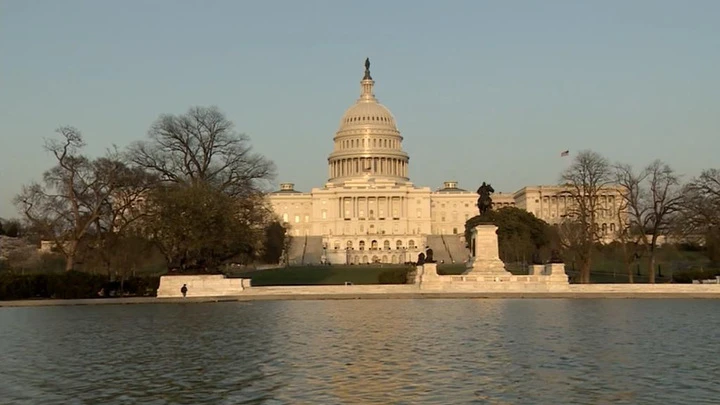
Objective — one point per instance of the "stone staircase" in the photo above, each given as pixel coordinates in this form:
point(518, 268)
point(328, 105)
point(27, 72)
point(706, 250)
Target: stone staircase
point(448, 248)
point(313, 250)
point(456, 248)
point(295, 253)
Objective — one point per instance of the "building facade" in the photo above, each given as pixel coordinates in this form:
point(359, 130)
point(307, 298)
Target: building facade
point(369, 210)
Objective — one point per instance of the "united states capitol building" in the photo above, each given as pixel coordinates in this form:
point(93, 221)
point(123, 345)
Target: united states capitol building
point(369, 211)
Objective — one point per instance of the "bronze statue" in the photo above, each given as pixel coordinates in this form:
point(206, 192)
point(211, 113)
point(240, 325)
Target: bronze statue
point(429, 256)
point(484, 202)
point(367, 69)
point(421, 259)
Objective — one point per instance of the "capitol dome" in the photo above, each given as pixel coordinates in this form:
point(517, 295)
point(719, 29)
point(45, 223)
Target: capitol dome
point(368, 142)
point(368, 115)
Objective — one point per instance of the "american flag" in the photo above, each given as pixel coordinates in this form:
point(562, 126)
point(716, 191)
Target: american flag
point(565, 153)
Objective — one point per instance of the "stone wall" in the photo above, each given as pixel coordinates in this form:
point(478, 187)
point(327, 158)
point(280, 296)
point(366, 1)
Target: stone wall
point(216, 285)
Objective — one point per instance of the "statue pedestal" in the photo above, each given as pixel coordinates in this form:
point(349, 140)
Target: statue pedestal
point(427, 273)
point(556, 272)
point(485, 260)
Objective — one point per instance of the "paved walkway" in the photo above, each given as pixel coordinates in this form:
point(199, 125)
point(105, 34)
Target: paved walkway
point(256, 296)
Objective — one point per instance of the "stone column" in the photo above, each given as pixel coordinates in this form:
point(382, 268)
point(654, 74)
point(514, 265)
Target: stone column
point(485, 260)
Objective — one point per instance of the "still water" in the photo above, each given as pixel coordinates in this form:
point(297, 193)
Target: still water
point(364, 352)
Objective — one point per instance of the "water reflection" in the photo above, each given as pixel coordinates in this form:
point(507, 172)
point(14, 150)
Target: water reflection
point(364, 352)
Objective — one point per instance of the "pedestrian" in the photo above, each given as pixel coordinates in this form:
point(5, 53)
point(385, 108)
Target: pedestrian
point(183, 290)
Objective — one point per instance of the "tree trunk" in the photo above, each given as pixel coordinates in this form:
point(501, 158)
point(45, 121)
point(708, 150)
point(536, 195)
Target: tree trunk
point(651, 268)
point(70, 253)
point(628, 262)
point(585, 271)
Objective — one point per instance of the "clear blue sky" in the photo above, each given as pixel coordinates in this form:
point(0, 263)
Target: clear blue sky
point(482, 91)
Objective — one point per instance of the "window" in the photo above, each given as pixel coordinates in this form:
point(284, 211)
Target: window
point(285, 217)
point(307, 218)
point(324, 213)
point(398, 244)
point(349, 244)
point(454, 231)
point(419, 212)
point(386, 245)
point(612, 227)
point(297, 219)
point(411, 244)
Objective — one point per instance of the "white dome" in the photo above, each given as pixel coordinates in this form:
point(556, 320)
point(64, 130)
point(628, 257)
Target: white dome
point(367, 114)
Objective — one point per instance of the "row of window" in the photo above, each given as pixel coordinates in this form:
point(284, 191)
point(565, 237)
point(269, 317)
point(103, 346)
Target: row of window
point(365, 143)
point(374, 245)
point(367, 118)
point(357, 259)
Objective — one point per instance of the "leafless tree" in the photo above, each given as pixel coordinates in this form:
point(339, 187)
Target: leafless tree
point(202, 146)
point(198, 156)
point(74, 193)
point(587, 178)
point(665, 201)
point(627, 234)
point(700, 216)
point(653, 197)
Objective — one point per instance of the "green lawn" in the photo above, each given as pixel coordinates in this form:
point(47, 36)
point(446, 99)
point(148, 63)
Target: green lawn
point(319, 275)
point(607, 268)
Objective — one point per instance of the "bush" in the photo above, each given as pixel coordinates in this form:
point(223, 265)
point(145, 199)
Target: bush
point(687, 276)
point(394, 276)
point(70, 285)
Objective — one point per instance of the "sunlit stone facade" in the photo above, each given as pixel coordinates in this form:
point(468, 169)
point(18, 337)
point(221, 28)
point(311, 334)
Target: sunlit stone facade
point(368, 210)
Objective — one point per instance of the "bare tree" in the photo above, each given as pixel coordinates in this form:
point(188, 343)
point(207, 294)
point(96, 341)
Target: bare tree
point(653, 197)
point(202, 146)
point(117, 243)
point(665, 198)
point(198, 156)
point(700, 216)
point(587, 179)
point(627, 234)
point(74, 194)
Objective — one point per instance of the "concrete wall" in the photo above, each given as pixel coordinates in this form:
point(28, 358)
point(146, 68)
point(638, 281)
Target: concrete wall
point(215, 285)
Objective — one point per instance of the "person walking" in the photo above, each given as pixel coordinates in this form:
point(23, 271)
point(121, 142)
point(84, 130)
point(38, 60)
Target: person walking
point(184, 290)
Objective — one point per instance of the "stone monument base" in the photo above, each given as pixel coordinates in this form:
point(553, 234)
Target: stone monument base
point(485, 260)
point(201, 285)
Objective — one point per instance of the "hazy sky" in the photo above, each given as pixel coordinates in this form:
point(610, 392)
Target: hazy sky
point(482, 91)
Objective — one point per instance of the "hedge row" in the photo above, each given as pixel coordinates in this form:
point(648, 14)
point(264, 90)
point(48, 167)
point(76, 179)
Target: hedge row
point(687, 276)
point(394, 276)
point(69, 285)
